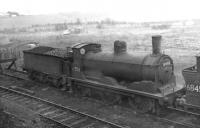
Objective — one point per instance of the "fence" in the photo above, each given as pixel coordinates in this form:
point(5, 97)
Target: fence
point(8, 53)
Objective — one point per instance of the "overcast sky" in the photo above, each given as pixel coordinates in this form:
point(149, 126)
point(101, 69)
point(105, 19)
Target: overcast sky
point(129, 10)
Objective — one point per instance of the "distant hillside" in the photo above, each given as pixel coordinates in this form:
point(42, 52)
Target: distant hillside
point(28, 20)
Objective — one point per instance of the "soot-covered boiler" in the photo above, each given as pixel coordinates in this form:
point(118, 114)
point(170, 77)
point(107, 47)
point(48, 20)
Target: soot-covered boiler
point(90, 60)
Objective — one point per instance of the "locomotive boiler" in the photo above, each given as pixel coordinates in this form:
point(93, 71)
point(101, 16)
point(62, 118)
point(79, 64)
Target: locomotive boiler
point(93, 63)
point(131, 67)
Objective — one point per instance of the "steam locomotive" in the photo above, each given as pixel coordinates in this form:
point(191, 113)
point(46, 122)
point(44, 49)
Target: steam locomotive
point(192, 82)
point(147, 82)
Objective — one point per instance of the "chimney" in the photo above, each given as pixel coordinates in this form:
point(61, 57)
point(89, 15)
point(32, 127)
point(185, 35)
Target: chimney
point(198, 63)
point(119, 47)
point(156, 44)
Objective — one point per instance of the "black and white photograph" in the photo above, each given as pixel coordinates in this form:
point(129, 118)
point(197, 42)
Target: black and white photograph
point(100, 64)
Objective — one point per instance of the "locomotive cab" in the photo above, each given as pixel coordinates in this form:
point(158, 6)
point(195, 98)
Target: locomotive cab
point(79, 51)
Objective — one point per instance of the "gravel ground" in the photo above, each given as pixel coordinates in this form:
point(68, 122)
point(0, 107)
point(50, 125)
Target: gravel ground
point(17, 116)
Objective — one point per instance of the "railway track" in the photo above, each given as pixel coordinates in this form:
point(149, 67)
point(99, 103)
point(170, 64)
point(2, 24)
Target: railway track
point(174, 120)
point(182, 113)
point(16, 74)
point(59, 114)
point(52, 111)
point(177, 123)
point(180, 124)
point(197, 114)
